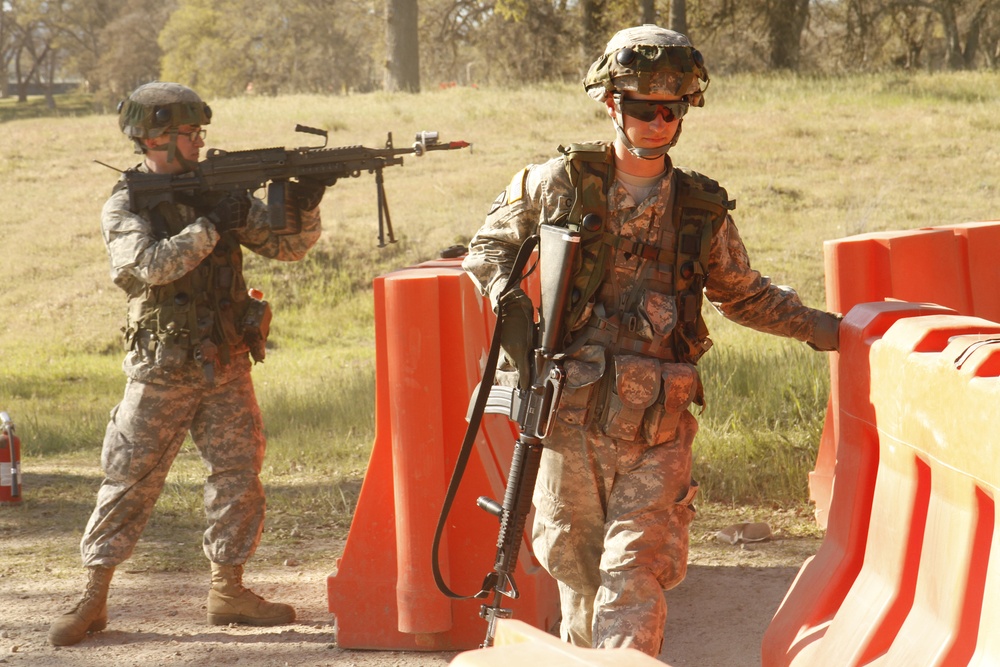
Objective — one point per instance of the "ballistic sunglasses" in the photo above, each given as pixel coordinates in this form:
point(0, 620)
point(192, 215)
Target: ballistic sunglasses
point(646, 110)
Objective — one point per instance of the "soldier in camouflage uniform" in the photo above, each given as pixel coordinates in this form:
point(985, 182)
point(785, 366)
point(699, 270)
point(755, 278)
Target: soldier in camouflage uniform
point(190, 330)
point(614, 492)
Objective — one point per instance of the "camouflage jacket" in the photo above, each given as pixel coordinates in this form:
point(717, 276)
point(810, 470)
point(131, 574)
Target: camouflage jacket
point(143, 261)
point(543, 193)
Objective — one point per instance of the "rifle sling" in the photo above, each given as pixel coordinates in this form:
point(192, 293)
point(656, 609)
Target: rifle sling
point(475, 419)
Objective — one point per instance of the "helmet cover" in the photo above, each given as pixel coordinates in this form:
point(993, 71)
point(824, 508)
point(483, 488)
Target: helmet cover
point(648, 59)
point(153, 108)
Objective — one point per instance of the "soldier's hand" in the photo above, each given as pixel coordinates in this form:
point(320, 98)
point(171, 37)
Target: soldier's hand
point(517, 332)
point(827, 335)
point(230, 213)
point(306, 193)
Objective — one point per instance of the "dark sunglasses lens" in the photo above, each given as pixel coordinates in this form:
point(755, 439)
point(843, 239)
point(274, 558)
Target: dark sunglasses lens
point(646, 111)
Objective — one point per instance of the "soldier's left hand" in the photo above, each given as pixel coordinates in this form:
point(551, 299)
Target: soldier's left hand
point(306, 193)
point(230, 212)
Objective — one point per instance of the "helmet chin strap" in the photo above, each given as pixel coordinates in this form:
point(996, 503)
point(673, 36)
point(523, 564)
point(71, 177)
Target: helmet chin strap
point(646, 153)
point(172, 152)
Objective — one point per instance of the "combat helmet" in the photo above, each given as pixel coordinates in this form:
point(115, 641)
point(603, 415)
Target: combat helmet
point(648, 59)
point(158, 107)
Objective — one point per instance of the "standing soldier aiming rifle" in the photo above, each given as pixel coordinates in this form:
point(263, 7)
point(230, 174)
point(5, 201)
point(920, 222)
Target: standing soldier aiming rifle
point(189, 334)
point(614, 491)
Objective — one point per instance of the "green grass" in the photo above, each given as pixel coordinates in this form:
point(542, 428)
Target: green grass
point(806, 158)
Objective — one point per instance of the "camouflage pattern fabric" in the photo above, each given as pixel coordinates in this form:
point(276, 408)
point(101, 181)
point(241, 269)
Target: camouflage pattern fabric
point(139, 259)
point(613, 505)
point(162, 405)
point(543, 193)
point(144, 434)
point(611, 526)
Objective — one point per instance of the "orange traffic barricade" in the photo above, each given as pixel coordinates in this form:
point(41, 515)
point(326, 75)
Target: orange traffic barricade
point(902, 575)
point(953, 266)
point(432, 331)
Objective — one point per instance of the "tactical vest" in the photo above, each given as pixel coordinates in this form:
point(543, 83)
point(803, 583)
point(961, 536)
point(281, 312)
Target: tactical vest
point(198, 316)
point(699, 209)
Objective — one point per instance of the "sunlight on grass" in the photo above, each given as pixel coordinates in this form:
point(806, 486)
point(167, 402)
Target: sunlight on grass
point(806, 158)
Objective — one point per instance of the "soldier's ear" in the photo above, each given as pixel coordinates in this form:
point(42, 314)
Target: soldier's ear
point(610, 104)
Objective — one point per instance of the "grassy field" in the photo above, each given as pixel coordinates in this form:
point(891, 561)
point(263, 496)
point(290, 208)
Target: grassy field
point(806, 159)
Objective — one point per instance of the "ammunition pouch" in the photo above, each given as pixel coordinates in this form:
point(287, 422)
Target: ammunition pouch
point(647, 398)
point(635, 388)
point(164, 352)
point(681, 387)
point(256, 326)
point(583, 372)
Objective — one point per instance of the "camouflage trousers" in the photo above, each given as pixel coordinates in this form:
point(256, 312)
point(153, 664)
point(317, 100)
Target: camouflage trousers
point(145, 433)
point(611, 526)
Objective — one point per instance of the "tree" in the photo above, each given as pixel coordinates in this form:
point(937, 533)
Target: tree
point(678, 16)
point(129, 51)
point(786, 19)
point(648, 11)
point(83, 22)
point(205, 47)
point(36, 27)
point(402, 64)
point(7, 41)
point(224, 48)
point(594, 29)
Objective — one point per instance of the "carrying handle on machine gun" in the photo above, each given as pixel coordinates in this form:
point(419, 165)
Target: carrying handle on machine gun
point(475, 419)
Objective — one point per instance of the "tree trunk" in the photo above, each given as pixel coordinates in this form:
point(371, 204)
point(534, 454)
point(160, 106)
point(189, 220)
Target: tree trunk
point(952, 41)
point(402, 46)
point(50, 98)
point(593, 28)
point(786, 19)
point(648, 11)
point(678, 16)
point(22, 82)
point(972, 37)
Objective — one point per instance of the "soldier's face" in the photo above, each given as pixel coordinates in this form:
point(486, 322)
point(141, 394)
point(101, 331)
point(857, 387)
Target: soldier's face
point(190, 141)
point(652, 133)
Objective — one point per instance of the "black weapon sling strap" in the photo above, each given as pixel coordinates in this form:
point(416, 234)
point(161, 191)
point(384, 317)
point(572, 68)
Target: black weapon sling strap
point(475, 419)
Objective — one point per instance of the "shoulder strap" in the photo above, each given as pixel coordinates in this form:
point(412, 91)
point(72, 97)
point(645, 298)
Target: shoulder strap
point(700, 208)
point(700, 191)
point(591, 170)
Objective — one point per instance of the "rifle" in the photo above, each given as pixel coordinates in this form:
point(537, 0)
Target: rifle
point(224, 173)
point(532, 409)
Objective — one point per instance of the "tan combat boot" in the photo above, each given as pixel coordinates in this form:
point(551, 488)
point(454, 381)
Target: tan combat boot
point(230, 602)
point(89, 615)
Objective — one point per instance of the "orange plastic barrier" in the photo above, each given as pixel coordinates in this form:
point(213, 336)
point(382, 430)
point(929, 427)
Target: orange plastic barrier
point(432, 331)
point(953, 266)
point(900, 578)
point(520, 644)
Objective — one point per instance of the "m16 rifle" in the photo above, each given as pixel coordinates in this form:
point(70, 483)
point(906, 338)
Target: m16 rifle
point(533, 409)
point(234, 173)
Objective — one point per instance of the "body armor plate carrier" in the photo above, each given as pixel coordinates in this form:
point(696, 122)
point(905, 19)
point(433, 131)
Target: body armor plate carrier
point(200, 315)
point(699, 210)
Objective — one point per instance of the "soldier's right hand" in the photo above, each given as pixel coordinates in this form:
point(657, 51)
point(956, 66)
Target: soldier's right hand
point(517, 332)
point(230, 213)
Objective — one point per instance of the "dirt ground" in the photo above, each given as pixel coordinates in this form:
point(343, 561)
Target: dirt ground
point(716, 617)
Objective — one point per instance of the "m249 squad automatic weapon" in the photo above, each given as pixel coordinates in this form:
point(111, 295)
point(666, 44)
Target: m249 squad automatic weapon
point(224, 173)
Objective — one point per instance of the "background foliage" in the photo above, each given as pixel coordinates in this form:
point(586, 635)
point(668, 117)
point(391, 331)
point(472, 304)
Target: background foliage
point(807, 159)
point(231, 47)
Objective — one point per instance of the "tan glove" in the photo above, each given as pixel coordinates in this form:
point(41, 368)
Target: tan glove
point(517, 332)
point(826, 338)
